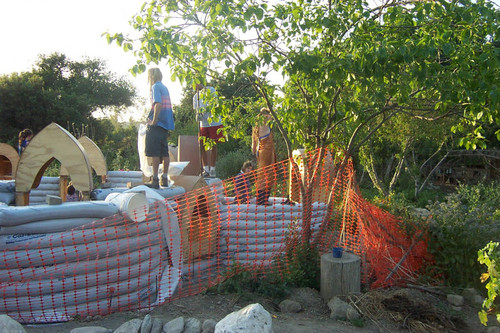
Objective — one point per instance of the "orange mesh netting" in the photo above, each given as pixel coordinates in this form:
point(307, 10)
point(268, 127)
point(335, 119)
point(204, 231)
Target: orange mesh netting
point(190, 242)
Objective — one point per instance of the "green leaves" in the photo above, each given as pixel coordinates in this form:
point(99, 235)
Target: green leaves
point(345, 65)
point(490, 257)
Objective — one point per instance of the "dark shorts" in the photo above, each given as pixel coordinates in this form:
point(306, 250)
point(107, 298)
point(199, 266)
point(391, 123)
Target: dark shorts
point(212, 132)
point(156, 141)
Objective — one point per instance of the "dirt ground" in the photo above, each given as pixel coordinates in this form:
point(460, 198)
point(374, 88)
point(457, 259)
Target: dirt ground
point(396, 311)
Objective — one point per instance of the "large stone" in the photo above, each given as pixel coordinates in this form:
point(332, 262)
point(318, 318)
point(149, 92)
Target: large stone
point(289, 306)
point(174, 326)
point(252, 318)
point(352, 313)
point(192, 325)
point(147, 323)
point(9, 325)
point(157, 326)
point(469, 294)
point(478, 300)
point(493, 329)
point(338, 308)
point(131, 326)
point(456, 300)
point(208, 326)
point(91, 329)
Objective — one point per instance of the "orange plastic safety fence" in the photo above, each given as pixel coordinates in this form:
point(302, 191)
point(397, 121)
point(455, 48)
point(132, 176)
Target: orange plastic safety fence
point(195, 240)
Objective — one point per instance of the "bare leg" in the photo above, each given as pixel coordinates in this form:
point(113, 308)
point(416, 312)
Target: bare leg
point(204, 155)
point(155, 164)
point(213, 156)
point(166, 163)
point(164, 179)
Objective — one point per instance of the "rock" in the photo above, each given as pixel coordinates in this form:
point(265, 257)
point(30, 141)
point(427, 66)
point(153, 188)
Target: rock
point(338, 308)
point(157, 326)
point(478, 300)
point(469, 294)
point(91, 329)
point(352, 313)
point(252, 318)
point(493, 329)
point(9, 325)
point(455, 300)
point(290, 306)
point(131, 326)
point(457, 308)
point(146, 325)
point(208, 326)
point(174, 326)
point(192, 325)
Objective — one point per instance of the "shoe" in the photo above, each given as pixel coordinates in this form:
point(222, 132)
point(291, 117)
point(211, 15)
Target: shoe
point(164, 182)
point(288, 202)
point(155, 183)
point(212, 173)
point(205, 174)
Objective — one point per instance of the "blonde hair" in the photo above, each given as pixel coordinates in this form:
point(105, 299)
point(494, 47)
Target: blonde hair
point(154, 75)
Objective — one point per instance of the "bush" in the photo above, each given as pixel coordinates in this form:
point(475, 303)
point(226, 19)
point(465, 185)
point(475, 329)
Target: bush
point(460, 227)
point(229, 164)
point(244, 280)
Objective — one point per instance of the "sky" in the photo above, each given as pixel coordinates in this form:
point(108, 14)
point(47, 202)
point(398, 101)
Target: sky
point(29, 28)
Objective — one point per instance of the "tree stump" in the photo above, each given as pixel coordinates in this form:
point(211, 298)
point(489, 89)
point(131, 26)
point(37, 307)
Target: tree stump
point(340, 276)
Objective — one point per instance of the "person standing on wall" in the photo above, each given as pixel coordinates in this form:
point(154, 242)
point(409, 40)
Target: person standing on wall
point(25, 137)
point(160, 121)
point(208, 128)
point(263, 149)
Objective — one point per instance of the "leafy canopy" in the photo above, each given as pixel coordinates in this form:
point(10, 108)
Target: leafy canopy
point(344, 67)
point(59, 90)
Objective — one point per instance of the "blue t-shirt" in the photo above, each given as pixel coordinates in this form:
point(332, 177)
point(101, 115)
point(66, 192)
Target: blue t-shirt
point(159, 94)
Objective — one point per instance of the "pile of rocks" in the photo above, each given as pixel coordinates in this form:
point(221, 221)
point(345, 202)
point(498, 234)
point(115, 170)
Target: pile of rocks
point(252, 318)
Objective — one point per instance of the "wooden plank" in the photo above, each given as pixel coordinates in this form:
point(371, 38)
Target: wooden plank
point(53, 142)
point(189, 150)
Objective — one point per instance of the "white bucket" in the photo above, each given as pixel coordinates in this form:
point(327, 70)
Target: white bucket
point(134, 205)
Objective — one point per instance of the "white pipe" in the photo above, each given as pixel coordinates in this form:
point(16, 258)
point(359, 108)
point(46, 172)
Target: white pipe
point(134, 205)
point(10, 216)
point(59, 271)
point(50, 286)
point(79, 296)
point(47, 226)
point(42, 257)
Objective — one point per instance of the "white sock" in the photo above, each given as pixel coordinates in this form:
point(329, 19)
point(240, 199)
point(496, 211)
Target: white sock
point(212, 168)
point(207, 168)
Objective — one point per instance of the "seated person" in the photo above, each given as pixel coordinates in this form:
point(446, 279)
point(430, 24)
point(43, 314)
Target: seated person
point(25, 137)
point(242, 184)
point(72, 194)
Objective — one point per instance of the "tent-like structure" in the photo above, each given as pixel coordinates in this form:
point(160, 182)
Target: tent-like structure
point(9, 159)
point(53, 142)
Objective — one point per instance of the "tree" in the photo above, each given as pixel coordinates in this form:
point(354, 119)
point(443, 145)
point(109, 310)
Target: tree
point(59, 90)
point(348, 67)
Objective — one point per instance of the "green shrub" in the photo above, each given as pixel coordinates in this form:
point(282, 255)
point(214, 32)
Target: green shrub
point(460, 227)
point(490, 256)
point(244, 280)
point(229, 164)
point(302, 267)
